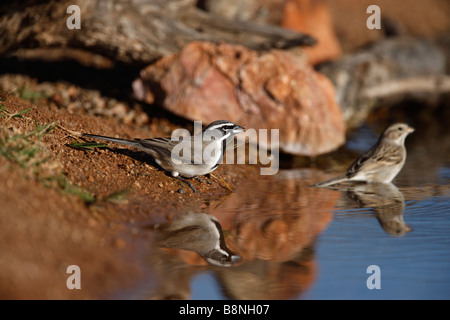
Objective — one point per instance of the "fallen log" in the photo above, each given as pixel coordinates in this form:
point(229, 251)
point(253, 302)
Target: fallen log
point(131, 32)
point(391, 71)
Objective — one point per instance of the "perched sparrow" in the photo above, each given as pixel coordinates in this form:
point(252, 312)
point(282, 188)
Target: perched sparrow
point(382, 162)
point(195, 161)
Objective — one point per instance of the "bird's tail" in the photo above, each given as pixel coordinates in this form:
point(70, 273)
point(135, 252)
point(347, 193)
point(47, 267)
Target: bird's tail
point(116, 140)
point(331, 182)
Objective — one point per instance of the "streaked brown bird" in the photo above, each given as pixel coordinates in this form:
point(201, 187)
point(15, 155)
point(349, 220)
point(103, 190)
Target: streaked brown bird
point(382, 162)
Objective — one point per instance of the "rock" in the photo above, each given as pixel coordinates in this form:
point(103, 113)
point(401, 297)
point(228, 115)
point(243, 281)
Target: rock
point(259, 90)
point(313, 17)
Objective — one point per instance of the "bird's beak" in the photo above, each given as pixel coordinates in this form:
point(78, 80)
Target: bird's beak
point(238, 129)
point(410, 130)
point(235, 258)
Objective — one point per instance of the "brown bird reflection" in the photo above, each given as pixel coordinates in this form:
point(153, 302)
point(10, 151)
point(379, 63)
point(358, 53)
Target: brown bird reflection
point(385, 200)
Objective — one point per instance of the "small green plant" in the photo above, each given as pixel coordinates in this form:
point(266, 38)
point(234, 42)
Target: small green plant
point(81, 193)
point(5, 114)
point(30, 95)
point(117, 197)
point(26, 150)
point(88, 146)
point(60, 182)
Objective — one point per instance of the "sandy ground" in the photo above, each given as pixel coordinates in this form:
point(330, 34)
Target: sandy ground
point(47, 225)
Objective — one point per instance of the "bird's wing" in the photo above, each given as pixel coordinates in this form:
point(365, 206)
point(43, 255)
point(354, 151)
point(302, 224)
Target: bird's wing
point(162, 146)
point(363, 160)
point(392, 154)
point(189, 151)
point(184, 150)
point(380, 156)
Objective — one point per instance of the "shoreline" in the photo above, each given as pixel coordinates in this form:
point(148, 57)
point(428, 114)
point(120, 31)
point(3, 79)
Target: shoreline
point(84, 218)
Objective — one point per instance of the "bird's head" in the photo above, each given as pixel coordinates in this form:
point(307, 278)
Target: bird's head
point(397, 132)
point(226, 129)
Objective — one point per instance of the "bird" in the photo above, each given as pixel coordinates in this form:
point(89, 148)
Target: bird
point(191, 157)
point(382, 162)
point(386, 201)
point(198, 232)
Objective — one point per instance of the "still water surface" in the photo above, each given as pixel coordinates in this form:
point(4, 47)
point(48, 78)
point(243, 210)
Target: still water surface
point(297, 242)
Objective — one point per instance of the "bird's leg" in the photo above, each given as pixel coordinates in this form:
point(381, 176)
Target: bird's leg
point(188, 183)
point(201, 180)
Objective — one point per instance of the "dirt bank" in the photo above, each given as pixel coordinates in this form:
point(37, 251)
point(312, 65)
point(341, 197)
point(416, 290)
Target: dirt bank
point(62, 206)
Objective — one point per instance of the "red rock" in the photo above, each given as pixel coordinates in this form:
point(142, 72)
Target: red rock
point(269, 90)
point(313, 17)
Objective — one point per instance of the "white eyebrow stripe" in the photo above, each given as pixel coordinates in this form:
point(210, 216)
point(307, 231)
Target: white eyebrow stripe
point(220, 125)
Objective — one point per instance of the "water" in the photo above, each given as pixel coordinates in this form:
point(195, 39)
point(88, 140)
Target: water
point(297, 242)
point(415, 266)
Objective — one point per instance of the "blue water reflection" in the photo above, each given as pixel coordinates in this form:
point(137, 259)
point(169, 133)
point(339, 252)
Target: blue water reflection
point(298, 242)
point(415, 266)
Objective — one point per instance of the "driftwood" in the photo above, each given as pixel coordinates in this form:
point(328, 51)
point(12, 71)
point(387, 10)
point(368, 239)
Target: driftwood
point(391, 71)
point(131, 32)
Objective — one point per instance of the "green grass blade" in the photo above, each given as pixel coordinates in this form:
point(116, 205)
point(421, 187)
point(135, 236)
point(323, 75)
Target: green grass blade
point(20, 113)
point(87, 146)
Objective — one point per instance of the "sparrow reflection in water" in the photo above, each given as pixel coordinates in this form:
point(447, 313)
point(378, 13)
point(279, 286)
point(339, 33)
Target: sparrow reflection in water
point(201, 233)
point(386, 201)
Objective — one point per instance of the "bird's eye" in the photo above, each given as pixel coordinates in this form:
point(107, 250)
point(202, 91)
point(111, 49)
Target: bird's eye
point(400, 129)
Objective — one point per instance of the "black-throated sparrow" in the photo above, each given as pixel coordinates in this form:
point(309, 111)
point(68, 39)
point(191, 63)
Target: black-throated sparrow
point(382, 162)
point(189, 157)
point(201, 233)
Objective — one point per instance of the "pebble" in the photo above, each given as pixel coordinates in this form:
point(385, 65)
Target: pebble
point(160, 185)
point(181, 191)
point(120, 243)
